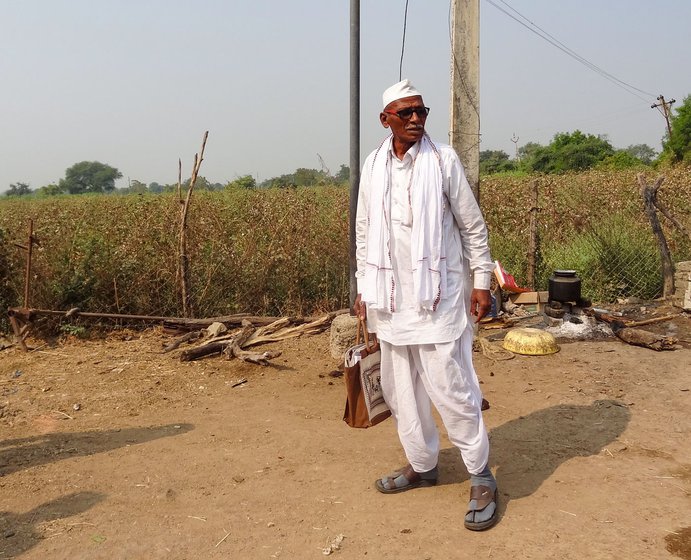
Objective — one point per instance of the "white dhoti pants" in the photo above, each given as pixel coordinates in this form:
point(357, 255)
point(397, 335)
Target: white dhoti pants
point(416, 376)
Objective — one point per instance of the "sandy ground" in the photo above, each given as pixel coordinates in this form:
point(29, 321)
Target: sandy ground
point(110, 449)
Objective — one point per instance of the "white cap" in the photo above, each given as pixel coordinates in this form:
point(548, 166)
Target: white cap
point(398, 91)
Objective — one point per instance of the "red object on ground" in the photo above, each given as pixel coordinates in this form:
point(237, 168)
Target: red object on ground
point(506, 281)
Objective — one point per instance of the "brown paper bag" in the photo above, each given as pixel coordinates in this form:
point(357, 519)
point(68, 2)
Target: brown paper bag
point(365, 405)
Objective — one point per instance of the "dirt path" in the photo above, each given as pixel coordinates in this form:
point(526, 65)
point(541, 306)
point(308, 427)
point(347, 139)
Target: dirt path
point(591, 448)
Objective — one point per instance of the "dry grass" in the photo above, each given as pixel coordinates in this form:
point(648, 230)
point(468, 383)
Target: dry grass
point(592, 222)
point(285, 251)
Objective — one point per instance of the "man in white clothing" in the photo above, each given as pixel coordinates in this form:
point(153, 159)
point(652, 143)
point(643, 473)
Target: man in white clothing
point(423, 269)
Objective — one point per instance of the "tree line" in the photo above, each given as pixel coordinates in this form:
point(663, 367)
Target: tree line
point(577, 151)
point(568, 151)
point(96, 177)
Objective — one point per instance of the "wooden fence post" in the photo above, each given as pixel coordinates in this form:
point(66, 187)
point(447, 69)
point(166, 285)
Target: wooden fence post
point(183, 259)
point(534, 241)
point(649, 194)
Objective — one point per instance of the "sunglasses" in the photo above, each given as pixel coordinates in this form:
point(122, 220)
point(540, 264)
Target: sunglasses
point(405, 114)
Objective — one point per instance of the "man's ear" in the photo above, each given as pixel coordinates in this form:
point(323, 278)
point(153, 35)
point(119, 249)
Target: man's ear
point(383, 120)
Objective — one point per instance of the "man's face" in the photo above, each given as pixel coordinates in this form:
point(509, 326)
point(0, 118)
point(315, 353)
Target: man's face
point(405, 129)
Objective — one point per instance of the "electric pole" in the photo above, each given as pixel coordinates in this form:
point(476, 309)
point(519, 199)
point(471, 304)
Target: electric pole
point(465, 84)
point(354, 137)
point(515, 139)
point(664, 108)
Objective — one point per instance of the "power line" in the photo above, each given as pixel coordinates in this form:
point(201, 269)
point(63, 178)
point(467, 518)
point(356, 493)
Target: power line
point(564, 48)
point(405, 25)
point(568, 51)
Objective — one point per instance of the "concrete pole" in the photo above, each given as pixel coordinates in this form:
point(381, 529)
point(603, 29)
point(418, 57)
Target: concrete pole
point(354, 135)
point(465, 86)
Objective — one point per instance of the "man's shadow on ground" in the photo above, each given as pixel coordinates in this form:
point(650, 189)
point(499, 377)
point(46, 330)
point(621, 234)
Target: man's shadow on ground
point(24, 453)
point(526, 451)
point(19, 532)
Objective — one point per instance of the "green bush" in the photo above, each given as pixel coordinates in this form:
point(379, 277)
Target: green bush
point(616, 258)
point(592, 222)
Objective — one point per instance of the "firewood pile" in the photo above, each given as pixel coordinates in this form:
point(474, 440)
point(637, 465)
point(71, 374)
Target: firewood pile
point(218, 340)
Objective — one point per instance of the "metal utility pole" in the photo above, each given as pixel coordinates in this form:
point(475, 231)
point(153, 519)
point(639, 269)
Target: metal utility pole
point(664, 108)
point(354, 136)
point(465, 85)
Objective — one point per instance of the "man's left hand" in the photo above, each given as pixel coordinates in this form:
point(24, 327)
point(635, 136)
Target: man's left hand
point(480, 303)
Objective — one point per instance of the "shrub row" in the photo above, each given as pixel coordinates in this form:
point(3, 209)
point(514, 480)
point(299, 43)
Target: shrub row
point(285, 251)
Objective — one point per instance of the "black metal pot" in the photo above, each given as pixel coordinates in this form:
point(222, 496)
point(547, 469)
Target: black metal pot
point(565, 286)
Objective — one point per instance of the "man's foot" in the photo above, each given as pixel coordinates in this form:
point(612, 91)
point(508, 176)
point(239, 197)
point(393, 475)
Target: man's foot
point(482, 508)
point(406, 479)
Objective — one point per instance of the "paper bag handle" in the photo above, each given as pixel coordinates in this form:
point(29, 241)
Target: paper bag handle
point(362, 328)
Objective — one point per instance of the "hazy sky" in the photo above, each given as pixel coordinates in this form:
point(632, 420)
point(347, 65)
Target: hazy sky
point(135, 83)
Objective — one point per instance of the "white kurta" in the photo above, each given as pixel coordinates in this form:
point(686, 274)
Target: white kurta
point(427, 355)
point(467, 253)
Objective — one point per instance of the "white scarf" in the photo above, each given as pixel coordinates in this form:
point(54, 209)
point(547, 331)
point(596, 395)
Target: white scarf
point(427, 238)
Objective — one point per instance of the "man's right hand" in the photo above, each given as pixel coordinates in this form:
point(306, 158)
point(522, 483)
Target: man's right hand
point(360, 308)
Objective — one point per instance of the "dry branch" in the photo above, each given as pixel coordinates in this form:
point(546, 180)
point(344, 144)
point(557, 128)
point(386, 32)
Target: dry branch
point(276, 325)
point(233, 345)
point(234, 321)
point(208, 349)
point(639, 337)
point(236, 342)
point(608, 318)
point(651, 321)
point(187, 337)
point(626, 331)
point(273, 334)
point(667, 214)
point(261, 358)
point(20, 332)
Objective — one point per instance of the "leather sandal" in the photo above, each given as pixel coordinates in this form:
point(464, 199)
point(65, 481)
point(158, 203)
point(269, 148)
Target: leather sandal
point(481, 498)
point(406, 479)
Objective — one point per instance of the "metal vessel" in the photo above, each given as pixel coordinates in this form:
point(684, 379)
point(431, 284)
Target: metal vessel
point(565, 287)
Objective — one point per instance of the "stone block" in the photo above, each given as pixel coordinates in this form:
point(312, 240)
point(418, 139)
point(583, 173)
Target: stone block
point(343, 333)
point(684, 266)
point(682, 294)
